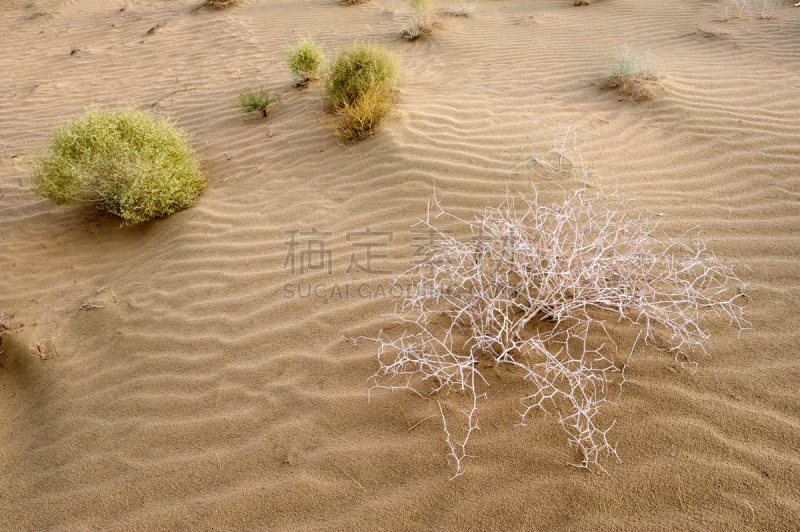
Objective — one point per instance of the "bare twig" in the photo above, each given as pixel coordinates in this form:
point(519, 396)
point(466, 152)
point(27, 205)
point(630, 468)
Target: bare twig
point(354, 480)
point(53, 342)
point(89, 306)
point(219, 462)
point(418, 423)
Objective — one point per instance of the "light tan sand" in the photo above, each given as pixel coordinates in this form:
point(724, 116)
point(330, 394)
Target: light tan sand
point(202, 399)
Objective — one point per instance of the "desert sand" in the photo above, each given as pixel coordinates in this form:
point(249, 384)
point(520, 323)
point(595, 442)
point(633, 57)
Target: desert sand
point(184, 389)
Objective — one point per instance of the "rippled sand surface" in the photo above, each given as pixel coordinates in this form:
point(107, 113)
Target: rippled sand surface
point(200, 396)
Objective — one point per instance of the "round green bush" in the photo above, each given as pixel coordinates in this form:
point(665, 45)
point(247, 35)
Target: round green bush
point(130, 163)
point(305, 61)
point(359, 69)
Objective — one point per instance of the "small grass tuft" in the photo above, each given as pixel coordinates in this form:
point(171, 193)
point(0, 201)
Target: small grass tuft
point(628, 71)
point(461, 8)
point(128, 162)
point(628, 65)
point(305, 61)
point(422, 21)
point(256, 101)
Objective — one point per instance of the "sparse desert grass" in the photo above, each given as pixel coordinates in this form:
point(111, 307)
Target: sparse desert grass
point(461, 8)
point(305, 61)
point(218, 4)
point(628, 70)
point(764, 9)
point(128, 162)
point(360, 85)
point(559, 153)
point(256, 101)
point(39, 13)
point(629, 65)
point(560, 295)
point(422, 19)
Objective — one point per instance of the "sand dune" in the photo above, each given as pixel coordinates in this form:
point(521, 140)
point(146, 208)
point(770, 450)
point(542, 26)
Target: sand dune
point(199, 397)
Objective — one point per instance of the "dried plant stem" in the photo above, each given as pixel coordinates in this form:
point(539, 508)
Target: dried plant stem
point(362, 488)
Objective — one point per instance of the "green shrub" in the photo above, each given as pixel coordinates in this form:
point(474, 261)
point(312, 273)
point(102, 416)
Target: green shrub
point(360, 86)
point(256, 100)
point(131, 164)
point(359, 69)
point(360, 119)
point(421, 6)
point(305, 61)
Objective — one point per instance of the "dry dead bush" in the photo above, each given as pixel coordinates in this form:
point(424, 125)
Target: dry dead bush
point(563, 295)
point(764, 9)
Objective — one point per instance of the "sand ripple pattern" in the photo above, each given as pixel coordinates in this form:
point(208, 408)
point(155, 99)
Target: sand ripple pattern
point(199, 397)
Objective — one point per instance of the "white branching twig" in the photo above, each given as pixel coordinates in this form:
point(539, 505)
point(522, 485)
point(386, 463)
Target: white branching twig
point(90, 306)
point(542, 290)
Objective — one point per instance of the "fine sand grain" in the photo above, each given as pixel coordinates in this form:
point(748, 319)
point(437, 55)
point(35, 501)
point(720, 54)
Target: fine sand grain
point(184, 391)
